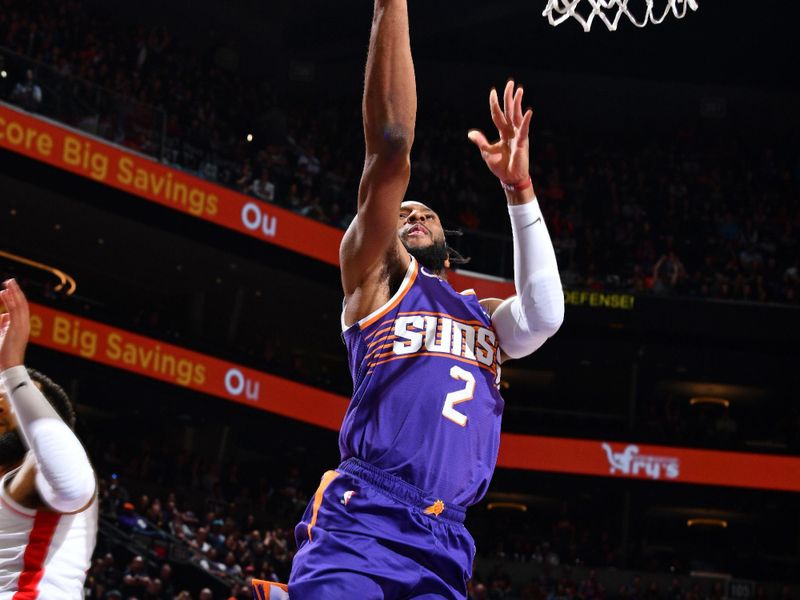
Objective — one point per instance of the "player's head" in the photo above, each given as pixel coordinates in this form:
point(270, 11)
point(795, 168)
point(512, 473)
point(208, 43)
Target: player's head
point(55, 395)
point(12, 448)
point(422, 234)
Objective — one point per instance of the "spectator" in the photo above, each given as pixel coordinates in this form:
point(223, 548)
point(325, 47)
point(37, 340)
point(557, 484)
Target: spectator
point(263, 188)
point(668, 274)
point(499, 582)
point(245, 180)
point(129, 520)
point(27, 93)
point(153, 590)
point(479, 593)
point(167, 588)
point(232, 569)
point(135, 579)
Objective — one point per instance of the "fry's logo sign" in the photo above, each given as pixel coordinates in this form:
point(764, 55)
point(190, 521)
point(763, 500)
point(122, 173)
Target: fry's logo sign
point(630, 462)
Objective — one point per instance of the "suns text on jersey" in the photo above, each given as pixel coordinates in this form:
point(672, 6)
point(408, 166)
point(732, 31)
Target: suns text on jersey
point(442, 334)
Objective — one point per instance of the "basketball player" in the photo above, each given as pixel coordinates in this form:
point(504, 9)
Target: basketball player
point(48, 505)
point(420, 437)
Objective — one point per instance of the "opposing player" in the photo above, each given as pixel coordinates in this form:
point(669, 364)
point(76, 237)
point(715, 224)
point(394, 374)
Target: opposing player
point(420, 437)
point(48, 506)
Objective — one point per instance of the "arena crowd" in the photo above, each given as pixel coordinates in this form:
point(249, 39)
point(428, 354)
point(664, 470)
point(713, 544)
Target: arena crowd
point(687, 212)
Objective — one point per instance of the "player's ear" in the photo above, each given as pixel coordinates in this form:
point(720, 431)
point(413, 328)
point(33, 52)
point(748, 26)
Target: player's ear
point(447, 261)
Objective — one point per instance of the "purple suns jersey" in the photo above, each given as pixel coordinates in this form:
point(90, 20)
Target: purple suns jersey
point(426, 405)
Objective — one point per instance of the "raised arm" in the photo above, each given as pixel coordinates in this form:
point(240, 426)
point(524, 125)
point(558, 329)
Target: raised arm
point(525, 321)
point(389, 112)
point(64, 479)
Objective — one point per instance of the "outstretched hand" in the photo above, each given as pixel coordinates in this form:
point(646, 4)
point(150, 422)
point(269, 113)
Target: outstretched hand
point(507, 158)
point(15, 326)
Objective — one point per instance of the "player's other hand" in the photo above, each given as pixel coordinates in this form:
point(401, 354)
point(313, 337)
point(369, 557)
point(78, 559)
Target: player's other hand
point(507, 158)
point(15, 325)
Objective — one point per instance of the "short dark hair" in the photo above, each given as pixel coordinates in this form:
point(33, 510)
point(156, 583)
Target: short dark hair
point(56, 396)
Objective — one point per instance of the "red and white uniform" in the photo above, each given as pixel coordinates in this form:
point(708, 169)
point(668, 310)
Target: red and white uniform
point(44, 555)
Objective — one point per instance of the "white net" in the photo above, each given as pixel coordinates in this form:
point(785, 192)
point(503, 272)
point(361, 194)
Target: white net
point(611, 11)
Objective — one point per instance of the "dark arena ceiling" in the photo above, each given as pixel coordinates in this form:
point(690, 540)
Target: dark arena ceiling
point(749, 43)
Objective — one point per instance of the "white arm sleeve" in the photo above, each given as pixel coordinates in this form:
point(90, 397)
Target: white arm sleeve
point(524, 322)
point(64, 478)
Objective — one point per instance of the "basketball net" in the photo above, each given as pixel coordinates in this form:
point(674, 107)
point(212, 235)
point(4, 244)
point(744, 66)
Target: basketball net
point(610, 11)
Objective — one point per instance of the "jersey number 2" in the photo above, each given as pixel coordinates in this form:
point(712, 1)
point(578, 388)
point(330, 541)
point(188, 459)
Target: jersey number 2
point(459, 396)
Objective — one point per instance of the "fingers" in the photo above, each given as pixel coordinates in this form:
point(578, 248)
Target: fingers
point(19, 297)
point(525, 127)
point(14, 299)
point(508, 101)
point(477, 138)
point(490, 152)
point(22, 301)
point(5, 298)
point(8, 296)
point(512, 105)
point(509, 119)
point(518, 108)
point(504, 127)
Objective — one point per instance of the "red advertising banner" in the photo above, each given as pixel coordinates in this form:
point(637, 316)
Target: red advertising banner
point(151, 358)
point(166, 362)
point(90, 157)
point(485, 286)
point(653, 463)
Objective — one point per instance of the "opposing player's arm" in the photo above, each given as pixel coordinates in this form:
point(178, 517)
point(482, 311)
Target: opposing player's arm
point(389, 115)
point(525, 321)
point(57, 471)
point(490, 305)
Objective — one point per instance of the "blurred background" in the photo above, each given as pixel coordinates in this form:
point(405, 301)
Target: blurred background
point(175, 178)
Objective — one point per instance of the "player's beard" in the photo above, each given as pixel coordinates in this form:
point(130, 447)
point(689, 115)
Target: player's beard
point(431, 257)
point(12, 449)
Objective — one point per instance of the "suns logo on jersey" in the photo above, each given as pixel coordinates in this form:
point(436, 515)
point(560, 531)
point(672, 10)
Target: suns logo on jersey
point(416, 334)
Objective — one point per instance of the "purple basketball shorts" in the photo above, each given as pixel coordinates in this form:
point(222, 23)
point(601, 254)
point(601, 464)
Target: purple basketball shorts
point(370, 535)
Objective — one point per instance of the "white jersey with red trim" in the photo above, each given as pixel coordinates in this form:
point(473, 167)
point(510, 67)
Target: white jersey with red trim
point(44, 555)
